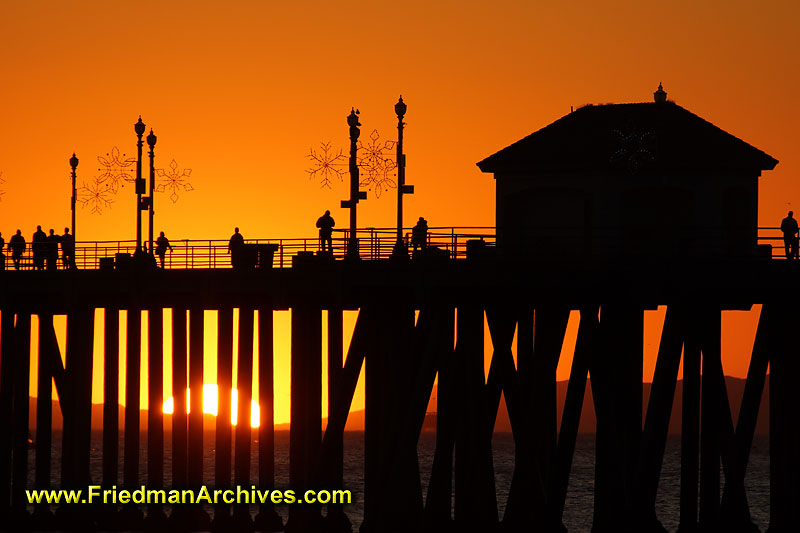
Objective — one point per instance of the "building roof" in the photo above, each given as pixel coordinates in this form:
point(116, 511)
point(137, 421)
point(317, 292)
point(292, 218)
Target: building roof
point(632, 137)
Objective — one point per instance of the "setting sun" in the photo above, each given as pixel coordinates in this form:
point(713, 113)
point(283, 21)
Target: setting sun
point(210, 404)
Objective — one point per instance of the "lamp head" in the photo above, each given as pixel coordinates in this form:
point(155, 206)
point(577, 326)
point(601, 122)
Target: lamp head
point(352, 118)
point(151, 139)
point(73, 161)
point(400, 108)
point(139, 127)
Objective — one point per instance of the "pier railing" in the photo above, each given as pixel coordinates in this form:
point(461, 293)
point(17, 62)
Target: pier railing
point(374, 244)
point(379, 243)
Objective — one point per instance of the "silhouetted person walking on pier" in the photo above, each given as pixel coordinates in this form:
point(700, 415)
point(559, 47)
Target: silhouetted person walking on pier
point(325, 223)
point(47, 250)
point(17, 246)
point(419, 234)
point(39, 248)
point(51, 250)
point(236, 248)
point(162, 243)
point(790, 239)
point(68, 249)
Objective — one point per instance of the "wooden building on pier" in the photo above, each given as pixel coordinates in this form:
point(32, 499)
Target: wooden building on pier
point(616, 181)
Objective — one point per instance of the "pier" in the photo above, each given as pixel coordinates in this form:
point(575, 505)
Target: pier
point(418, 319)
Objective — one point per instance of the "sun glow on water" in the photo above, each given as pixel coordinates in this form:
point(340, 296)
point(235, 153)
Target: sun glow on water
point(210, 404)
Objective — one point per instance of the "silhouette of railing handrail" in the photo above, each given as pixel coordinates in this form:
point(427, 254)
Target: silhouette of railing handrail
point(375, 243)
point(773, 236)
point(379, 243)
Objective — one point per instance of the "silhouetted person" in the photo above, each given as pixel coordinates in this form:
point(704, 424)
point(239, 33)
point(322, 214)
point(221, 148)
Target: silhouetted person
point(51, 250)
point(325, 223)
point(162, 243)
point(17, 247)
point(2, 256)
point(39, 247)
point(790, 239)
point(68, 249)
point(419, 234)
point(236, 248)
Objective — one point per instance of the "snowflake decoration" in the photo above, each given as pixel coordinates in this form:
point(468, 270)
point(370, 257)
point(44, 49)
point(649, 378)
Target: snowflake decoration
point(95, 195)
point(116, 168)
point(377, 168)
point(2, 192)
point(174, 180)
point(327, 165)
point(633, 149)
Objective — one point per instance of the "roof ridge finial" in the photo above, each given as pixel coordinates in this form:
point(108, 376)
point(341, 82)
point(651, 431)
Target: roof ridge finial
point(660, 95)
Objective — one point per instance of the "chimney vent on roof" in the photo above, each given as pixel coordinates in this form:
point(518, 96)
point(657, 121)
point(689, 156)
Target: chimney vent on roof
point(660, 95)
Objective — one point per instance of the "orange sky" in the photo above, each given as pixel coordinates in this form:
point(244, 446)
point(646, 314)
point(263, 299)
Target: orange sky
point(240, 91)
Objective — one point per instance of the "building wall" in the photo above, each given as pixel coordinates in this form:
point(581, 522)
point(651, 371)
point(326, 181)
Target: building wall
point(612, 216)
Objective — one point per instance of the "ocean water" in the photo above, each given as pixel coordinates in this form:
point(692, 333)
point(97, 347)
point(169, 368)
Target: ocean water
point(577, 512)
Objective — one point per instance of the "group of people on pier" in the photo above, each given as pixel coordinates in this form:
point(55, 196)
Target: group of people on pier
point(325, 223)
point(44, 249)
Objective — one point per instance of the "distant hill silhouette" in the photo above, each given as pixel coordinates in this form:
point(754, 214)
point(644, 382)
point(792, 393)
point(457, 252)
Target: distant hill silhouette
point(355, 422)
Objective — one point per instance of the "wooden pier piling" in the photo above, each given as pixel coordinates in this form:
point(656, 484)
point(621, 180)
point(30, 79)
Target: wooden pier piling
point(179, 386)
point(305, 434)
point(155, 415)
point(244, 389)
point(198, 518)
point(266, 519)
point(19, 424)
point(110, 397)
point(133, 336)
point(222, 455)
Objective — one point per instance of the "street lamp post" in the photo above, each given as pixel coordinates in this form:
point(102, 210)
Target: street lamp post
point(73, 162)
point(400, 110)
point(151, 142)
point(355, 194)
point(140, 183)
